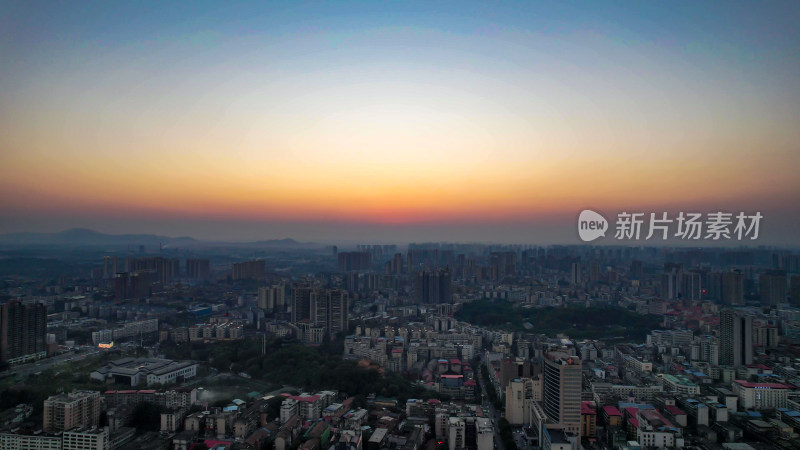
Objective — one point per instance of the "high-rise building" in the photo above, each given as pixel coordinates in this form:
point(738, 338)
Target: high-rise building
point(484, 434)
point(396, 267)
point(132, 285)
point(705, 348)
point(594, 271)
point(765, 334)
point(690, 287)
point(637, 269)
point(320, 310)
point(520, 392)
point(198, 269)
point(272, 298)
point(352, 282)
point(110, 266)
point(575, 274)
point(772, 286)
point(588, 419)
point(733, 288)
point(670, 281)
point(511, 368)
point(561, 399)
point(338, 305)
point(433, 286)
point(736, 338)
point(249, 270)
point(348, 261)
point(303, 297)
point(457, 433)
point(794, 289)
point(370, 282)
point(23, 330)
point(329, 309)
point(502, 264)
point(64, 412)
point(713, 287)
point(162, 270)
point(786, 261)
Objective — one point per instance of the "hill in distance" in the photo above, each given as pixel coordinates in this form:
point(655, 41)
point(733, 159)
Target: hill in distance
point(81, 237)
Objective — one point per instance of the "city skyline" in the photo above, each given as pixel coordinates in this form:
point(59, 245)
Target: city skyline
point(395, 123)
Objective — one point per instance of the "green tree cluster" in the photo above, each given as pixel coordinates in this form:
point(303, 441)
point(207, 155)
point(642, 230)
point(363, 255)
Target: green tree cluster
point(506, 434)
point(310, 368)
point(594, 322)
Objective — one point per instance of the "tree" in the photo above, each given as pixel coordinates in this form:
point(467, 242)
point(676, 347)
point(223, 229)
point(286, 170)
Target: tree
point(506, 435)
point(274, 407)
point(147, 416)
point(360, 401)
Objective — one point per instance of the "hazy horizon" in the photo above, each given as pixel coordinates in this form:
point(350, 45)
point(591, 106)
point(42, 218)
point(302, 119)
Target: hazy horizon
point(350, 235)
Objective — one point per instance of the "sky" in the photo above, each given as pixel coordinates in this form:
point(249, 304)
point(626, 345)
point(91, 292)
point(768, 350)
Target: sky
point(395, 121)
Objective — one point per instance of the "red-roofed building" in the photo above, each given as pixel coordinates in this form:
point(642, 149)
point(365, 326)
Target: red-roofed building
point(216, 445)
point(588, 419)
point(300, 398)
point(750, 384)
point(654, 418)
point(677, 414)
point(760, 396)
point(170, 398)
point(654, 430)
point(611, 416)
point(632, 421)
point(309, 407)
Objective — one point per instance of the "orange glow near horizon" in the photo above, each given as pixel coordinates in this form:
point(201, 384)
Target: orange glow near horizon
point(438, 192)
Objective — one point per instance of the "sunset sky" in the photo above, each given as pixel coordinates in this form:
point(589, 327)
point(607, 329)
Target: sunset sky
point(395, 121)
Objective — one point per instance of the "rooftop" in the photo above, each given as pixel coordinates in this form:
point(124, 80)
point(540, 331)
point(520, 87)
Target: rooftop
point(674, 410)
point(556, 436)
point(749, 384)
point(132, 366)
point(563, 358)
point(655, 419)
point(301, 398)
point(678, 379)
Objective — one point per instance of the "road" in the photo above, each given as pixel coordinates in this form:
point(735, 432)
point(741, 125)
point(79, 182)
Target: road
point(498, 442)
point(44, 364)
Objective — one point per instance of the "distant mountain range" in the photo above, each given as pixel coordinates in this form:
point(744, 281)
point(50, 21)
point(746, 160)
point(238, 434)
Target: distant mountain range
point(85, 237)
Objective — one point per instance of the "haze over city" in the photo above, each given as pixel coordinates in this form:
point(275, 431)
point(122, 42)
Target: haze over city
point(394, 122)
